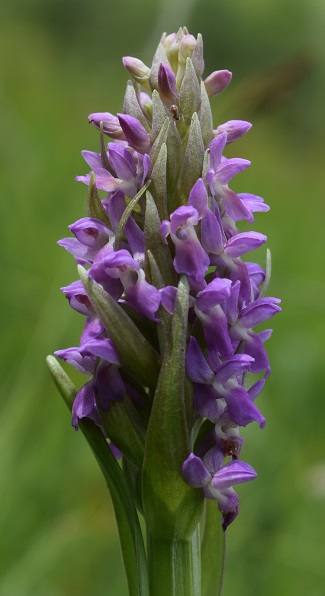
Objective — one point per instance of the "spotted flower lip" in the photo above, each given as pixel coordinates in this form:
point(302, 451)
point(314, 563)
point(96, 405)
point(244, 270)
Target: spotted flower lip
point(172, 296)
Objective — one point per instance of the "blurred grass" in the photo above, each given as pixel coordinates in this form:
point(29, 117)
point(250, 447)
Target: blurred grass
point(61, 61)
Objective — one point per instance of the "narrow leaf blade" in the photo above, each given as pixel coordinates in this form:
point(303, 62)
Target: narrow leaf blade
point(131, 540)
point(172, 508)
point(137, 356)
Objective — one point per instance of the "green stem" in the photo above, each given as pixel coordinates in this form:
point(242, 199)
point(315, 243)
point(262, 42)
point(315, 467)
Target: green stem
point(174, 567)
point(213, 551)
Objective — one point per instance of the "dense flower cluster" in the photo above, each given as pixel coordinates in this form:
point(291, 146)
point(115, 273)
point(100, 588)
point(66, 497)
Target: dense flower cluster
point(168, 211)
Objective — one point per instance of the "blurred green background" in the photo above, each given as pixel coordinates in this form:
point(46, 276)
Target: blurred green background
point(61, 60)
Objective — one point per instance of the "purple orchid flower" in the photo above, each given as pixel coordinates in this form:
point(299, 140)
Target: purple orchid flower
point(84, 405)
point(211, 386)
point(128, 169)
point(214, 321)
point(119, 272)
point(225, 252)
point(190, 256)
point(90, 236)
point(243, 319)
point(167, 85)
point(93, 345)
point(221, 171)
point(217, 480)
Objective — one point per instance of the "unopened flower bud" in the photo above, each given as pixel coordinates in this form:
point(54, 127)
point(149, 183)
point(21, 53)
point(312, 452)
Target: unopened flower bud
point(234, 129)
point(137, 69)
point(167, 84)
point(186, 47)
point(217, 81)
point(135, 133)
point(171, 45)
point(111, 125)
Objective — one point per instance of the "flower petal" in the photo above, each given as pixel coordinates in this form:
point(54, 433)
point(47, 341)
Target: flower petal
point(194, 472)
point(235, 472)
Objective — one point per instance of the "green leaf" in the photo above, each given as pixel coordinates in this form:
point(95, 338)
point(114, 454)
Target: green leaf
point(159, 182)
point(95, 207)
point(162, 314)
point(131, 540)
point(212, 551)
point(121, 423)
point(197, 57)
point(155, 242)
point(158, 115)
point(171, 507)
point(137, 356)
point(159, 57)
point(190, 94)
point(205, 117)
point(161, 138)
point(192, 165)
point(131, 106)
point(174, 156)
point(206, 163)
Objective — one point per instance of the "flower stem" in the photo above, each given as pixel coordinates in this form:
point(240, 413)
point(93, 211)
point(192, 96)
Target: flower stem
point(213, 552)
point(174, 567)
